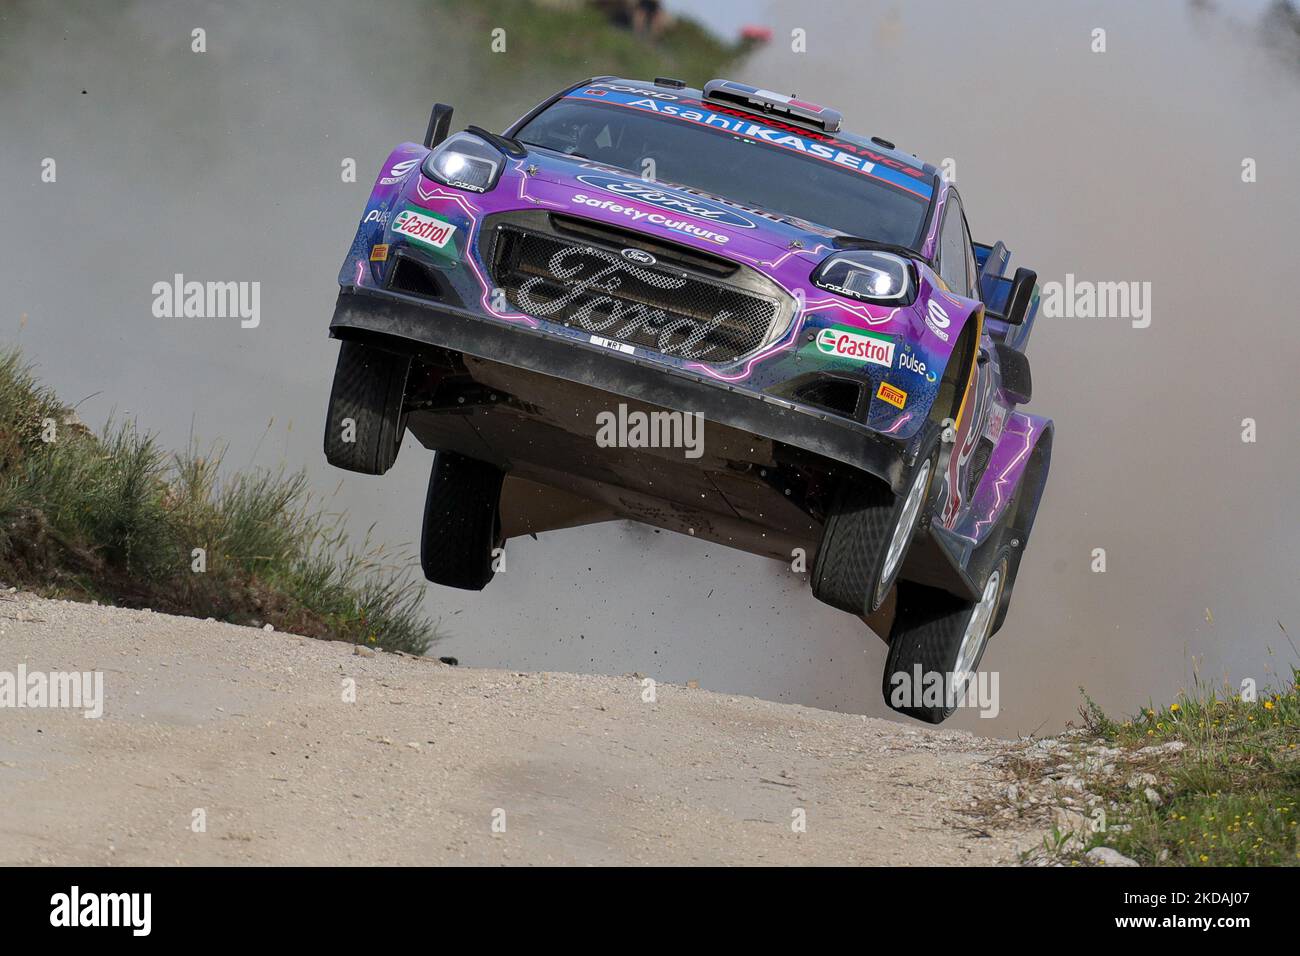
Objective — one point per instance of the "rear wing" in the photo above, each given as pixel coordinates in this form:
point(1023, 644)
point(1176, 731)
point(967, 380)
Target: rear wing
point(992, 262)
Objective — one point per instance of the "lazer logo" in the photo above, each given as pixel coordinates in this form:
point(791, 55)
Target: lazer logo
point(869, 347)
point(654, 196)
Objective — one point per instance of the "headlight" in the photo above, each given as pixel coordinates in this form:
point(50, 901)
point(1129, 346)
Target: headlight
point(465, 162)
point(867, 274)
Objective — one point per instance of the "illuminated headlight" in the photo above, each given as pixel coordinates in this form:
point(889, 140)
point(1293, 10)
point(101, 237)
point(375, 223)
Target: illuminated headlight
point(867, 274)
point(466, 162)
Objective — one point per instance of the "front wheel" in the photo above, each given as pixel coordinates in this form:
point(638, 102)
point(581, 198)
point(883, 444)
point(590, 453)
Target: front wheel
point(936, 644)
point(364, 423)
point(867, 535)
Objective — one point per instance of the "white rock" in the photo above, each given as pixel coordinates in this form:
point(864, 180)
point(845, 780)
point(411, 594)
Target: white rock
point(1105, 856)
point(1170, 748)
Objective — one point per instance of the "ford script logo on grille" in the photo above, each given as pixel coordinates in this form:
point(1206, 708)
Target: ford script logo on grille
point(654, 196)
point(629, 305)
point(639, 256)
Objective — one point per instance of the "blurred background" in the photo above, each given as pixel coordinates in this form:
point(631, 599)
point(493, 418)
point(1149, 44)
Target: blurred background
point(1117, 166)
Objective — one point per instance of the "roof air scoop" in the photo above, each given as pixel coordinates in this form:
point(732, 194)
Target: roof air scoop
point(766, 102)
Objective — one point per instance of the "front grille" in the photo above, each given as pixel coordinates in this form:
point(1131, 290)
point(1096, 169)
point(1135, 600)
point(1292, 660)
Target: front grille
point(599, 291)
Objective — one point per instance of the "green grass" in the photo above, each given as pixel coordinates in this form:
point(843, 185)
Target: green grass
point(116, 518)
point(567, 43)
point(1230, 796)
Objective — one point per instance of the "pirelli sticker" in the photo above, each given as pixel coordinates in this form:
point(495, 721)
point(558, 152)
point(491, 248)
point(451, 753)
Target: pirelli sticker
point(894, 396)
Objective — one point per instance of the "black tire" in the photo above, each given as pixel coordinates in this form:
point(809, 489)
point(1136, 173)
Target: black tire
point(929, 625)
point(462, 521)
point(369, 385)
point(847, 572)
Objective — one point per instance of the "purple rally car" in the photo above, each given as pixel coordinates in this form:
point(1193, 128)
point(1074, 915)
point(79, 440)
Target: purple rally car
point(711, 311)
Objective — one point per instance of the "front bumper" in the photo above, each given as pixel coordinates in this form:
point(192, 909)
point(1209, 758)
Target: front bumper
point(409, 324)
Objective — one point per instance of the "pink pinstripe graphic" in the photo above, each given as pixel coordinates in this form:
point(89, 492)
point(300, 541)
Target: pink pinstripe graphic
point(903, 420)
point(438, 195)
point(1002, 478)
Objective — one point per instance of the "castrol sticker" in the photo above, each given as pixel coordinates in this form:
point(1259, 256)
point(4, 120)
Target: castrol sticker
point(857, 344)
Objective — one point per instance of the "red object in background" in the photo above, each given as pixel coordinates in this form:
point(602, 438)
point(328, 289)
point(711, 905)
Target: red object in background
point(754, 34)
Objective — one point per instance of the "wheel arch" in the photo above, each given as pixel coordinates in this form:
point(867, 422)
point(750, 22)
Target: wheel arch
point(1033, 482)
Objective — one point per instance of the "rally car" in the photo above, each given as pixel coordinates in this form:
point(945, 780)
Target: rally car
point(712, 311)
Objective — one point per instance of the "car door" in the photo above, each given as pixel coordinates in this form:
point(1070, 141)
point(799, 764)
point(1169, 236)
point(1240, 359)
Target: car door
point(956, 267)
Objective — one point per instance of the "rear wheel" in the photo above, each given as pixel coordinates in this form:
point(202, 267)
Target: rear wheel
point(462, 521)
point(364, 422)
point(867, 536)
point(936, 644)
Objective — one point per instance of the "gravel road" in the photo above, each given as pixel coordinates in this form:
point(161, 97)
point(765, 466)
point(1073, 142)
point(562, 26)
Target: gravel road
point(229, 745)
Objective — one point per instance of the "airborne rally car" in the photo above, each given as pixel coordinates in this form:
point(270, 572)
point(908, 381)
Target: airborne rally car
point(711, 311)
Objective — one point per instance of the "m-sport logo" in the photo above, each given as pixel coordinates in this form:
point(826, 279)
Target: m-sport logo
point(399, 171)
point(639, 256)
point(652, 195)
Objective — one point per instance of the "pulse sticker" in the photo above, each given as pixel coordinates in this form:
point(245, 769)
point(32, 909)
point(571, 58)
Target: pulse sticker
point(426, 230)
point(894, 396)
point(860, 345)
point(908, 361)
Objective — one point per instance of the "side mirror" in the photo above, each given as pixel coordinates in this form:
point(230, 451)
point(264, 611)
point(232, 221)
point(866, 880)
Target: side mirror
point(1022, 293)
point(1008, 300)
point(439, 125)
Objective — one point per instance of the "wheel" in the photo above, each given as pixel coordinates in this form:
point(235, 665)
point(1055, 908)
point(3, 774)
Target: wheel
point(364, 423)
point(462, 521)
point(936, 644)
point(866, 537)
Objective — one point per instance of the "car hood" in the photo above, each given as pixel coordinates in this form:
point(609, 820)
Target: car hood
point(716, 224)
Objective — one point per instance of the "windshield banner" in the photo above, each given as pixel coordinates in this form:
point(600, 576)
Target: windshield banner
point(823, 147)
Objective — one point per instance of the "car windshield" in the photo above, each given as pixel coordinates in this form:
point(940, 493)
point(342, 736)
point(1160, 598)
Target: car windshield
point(726, 164)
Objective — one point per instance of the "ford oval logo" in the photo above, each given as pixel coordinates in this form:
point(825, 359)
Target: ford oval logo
point(639, 256)
point(684, 205)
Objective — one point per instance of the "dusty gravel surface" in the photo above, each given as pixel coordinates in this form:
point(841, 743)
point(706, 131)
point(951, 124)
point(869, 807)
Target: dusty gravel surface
point(252, 728)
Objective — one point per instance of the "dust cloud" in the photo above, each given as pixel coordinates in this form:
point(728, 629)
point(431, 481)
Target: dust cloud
point(1122, 166)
